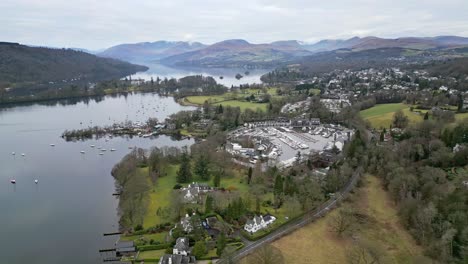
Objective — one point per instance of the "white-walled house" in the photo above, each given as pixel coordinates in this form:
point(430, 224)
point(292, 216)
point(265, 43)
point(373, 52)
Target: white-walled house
point(258, 222)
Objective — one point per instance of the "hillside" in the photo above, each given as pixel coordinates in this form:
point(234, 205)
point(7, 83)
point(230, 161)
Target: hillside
point(22, 65)
point(379, 231)
point(366, 43)
point(149, 51)
point(238, 53)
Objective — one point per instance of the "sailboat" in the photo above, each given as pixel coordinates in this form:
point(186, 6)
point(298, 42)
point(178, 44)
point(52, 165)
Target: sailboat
point(13, 181)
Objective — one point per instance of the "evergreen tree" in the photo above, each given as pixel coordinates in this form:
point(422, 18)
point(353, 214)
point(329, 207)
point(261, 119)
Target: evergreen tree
point(209, 204)
point(220, 244)
point(217, 180)
point(249, 175)
point(202, 168)
point(184, 174)
point(278, 188)
point(426, 116)
point(382, 136)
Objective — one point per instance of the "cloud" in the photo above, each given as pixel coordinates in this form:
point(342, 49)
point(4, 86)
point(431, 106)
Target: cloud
point(98, 24)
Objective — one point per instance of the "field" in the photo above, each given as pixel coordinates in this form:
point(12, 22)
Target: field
point(234, 99)
point(153, 254)
point(159, 197)
point(381, 115)
point(316, 243)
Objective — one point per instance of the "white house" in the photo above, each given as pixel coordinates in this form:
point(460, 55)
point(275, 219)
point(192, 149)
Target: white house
point(258, 222)
point(181, 247)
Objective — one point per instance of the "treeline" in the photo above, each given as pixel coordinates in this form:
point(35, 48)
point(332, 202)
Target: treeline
point(419, 173)
point(186, 86)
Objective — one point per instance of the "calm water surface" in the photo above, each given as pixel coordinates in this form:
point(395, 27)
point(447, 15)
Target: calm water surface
point(228, 74)
point(61, 219)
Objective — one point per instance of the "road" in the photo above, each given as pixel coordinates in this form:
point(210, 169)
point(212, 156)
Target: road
point(297, 223)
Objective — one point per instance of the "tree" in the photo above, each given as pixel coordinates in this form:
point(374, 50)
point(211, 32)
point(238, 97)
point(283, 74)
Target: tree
point(199, 250)
point(209, 204)
point(221, 244)
point(426, 116)
point(400, 120)
point(184, 173)
point(382, 136)
point(266, 254)
point(217, 179)
point(202, 167)
point(342, 222)
point(278, 189)
point(249, 175)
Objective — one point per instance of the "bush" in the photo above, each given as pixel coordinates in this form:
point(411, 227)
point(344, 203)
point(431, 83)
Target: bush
point(139, 227)
point(177, 186)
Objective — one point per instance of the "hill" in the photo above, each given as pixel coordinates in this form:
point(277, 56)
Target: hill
point(21, 64)
point(239, 53)
point(366, 43)
point(149, 51)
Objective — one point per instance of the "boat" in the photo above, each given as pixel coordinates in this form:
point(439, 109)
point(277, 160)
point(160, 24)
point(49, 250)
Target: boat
point(52, 145)
point(13, 153)
point(107, 139)
point(113, 149)
point(22, 154)
point(101, 153)
point(13, 181)
point(92, 146)
point(82, 152)
point(36, 181)
point(103, 149)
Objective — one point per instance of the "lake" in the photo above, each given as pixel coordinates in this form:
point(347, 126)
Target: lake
point(62, 218)
point(228, 74)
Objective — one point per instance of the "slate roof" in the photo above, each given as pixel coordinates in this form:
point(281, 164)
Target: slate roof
point(182, 244)
point(177, 259)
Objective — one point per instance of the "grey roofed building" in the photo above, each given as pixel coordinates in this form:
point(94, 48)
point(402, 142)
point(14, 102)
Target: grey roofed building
point(181, 247)
point(177, 259)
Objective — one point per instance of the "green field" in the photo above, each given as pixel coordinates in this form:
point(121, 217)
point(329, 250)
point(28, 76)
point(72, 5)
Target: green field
point(159, 197)
point(233, 99)
point(316, 243)
point(381, 115)
point(152, 254)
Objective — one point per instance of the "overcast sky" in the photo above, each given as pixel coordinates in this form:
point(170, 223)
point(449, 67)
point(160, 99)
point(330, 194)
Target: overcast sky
point(96, 24)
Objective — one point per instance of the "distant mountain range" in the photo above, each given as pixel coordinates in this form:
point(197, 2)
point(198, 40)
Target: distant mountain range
point(240, 53)
point(21, 65)
point(149, 51)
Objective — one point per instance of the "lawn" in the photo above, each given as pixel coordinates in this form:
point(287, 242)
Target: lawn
point(461, 117)
point(152, 254)
point(381, 115)
point(232, 99)
point(159, 197)
point(316, 243)
point(138, 239)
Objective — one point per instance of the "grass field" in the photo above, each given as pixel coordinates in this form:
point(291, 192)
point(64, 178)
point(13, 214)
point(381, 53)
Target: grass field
point(152, 254)
point(232, 99)
point(159, 197)
point(381, 115)
point(316, 243)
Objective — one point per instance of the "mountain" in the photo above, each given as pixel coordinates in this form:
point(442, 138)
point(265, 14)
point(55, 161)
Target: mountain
point(149, 51)
point(239, 53)
point(366, 43)
point(20, 64)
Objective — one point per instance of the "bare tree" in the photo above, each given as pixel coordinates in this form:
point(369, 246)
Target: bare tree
point(266, 254)
point(342, 222)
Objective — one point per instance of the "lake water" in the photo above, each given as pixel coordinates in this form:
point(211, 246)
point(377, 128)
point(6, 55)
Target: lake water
point(62, 218)
point(228, 74)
